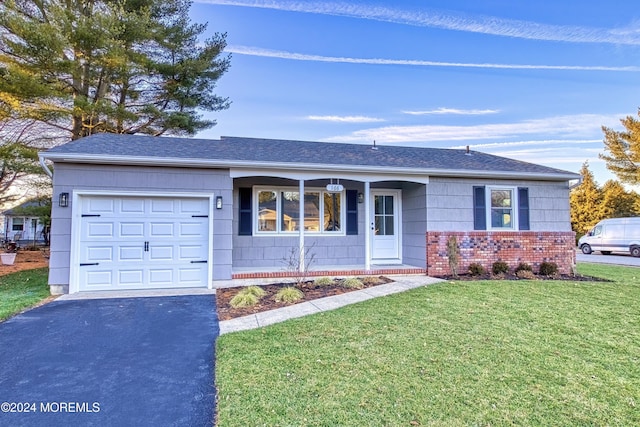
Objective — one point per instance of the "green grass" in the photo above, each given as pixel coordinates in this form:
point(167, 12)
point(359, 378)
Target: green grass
point(452, 354)
point(22, 290)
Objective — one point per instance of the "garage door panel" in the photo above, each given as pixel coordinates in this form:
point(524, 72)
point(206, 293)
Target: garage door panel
point(98, 278)
point(161, 229)
point(190, 275)
point(131, 277)
point(132, 206)
point(161, 253)
point(98, 253)
point(131, 253)
point(161, 276)
point(97, 229)
point(191, 229)
point(193, 206)
point(131, 229)
point(99, 205)
point(160, 206)
point(143, 242)
point(192, 252)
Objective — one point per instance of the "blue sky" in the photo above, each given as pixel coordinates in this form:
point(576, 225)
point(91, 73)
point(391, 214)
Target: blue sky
point(534, 81)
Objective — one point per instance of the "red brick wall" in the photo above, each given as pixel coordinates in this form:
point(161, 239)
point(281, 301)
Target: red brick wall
point(486, 247)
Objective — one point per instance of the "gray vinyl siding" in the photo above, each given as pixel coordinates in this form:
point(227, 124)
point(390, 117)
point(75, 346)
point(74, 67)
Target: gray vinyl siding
point(414, 224)
point(82, 177)
point(450, 203)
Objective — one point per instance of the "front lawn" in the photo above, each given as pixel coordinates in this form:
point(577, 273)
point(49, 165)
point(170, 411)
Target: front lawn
point(463, 353)
point(22, 290)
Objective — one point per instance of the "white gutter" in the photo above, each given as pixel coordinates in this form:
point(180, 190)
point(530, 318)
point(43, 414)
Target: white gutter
point(44, 166)
point(221, 163)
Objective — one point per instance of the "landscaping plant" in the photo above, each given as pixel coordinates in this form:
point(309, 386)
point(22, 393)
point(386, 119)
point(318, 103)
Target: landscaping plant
point(289, 295)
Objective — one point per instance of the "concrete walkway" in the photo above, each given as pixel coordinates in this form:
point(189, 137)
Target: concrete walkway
point(400, 284)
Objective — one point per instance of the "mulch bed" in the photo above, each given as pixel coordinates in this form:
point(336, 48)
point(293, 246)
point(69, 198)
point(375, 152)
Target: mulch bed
point(26, 260)
point(310, 290)
point(567, 277)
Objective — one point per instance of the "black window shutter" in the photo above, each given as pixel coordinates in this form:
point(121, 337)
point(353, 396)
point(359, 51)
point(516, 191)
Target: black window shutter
point(245, 227)
point(479, 209)
point(523, 208)
point(352, 212)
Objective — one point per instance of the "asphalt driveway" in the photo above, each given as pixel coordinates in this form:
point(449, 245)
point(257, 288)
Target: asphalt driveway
point(110, 362)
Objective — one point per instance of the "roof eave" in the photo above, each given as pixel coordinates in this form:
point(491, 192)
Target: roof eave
point(221, 163)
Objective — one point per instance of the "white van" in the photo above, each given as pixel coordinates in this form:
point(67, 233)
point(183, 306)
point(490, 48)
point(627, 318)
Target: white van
point(613, 235)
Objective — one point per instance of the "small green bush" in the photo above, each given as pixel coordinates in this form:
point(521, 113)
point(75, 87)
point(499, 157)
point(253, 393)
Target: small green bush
point(500, 267)
point(255, 290)
point(247, 297)
point(244, 299)
point(352, 283)
point(323, 281)
point(476, 269)
point(548, 269)
point(288, 294)
point(523, 266)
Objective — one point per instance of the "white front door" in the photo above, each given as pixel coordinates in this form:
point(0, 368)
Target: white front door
point(143, 242)
point(385, 226)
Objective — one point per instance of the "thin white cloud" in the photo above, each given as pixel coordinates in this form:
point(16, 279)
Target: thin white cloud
point(454, 111)
point(450, 20)
point(345, 119)
point(574, 126)
point(269, 53)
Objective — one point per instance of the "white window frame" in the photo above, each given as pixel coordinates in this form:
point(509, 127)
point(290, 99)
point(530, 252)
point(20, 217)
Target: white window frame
point(514, 207)
point(279, 190)
point(13, 224)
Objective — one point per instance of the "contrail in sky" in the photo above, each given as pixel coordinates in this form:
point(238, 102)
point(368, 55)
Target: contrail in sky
point(449, 20)
point(269, 53)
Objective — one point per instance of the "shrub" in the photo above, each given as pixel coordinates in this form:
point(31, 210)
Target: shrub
point(323, 281)
point(548, 268)
point(243, 299)
point(255, 290)
point(525, 274)
point(523, 266)
point(500, 267)
point(247, 297)
point(352, 283)
point(288, 294)
point(453, 254)
point(476, 269)
point(371, 280)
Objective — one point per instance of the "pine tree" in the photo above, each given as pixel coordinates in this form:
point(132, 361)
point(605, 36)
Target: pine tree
point(121, 66)
point(586, 202)
point(623, 148)
point(617, 202)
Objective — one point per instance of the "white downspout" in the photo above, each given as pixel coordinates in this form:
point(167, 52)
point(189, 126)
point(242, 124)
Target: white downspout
point(45, 167)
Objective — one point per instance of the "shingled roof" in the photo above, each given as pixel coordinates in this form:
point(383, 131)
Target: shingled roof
point(248, 152)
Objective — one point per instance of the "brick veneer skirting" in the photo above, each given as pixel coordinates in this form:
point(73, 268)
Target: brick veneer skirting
point(486, 247)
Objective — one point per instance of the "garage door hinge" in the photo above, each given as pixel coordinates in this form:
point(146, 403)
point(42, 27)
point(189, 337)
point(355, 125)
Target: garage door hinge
point(199, 216)
point(92, 215)
point(199, 262)
point(82, 264)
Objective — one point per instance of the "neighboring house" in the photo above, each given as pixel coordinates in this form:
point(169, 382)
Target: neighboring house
point(149, 212)
point(22, 228)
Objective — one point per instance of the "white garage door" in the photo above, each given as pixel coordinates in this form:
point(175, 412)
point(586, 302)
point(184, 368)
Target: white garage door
point(143, 243)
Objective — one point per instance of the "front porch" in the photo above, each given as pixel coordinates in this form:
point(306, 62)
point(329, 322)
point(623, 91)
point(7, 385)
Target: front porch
point(320, 271)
